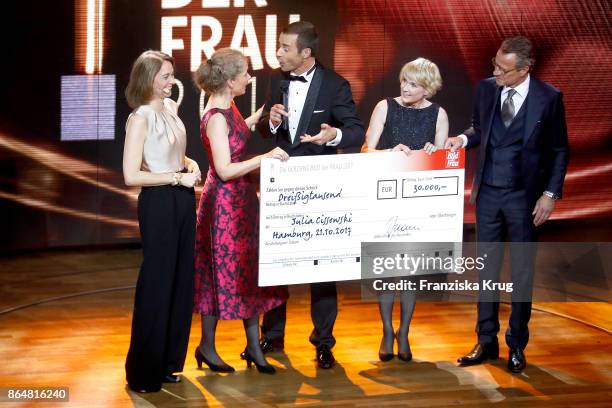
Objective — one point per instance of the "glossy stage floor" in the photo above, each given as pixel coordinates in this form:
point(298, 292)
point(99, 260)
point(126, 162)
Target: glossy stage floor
point(65, 322)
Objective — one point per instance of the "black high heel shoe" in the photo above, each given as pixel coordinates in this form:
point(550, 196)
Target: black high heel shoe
point(386, 356)
point(223, 368)
point(264, 369)
point(403, 356)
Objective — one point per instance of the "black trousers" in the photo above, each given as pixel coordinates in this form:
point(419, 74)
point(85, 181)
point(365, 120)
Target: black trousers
point(504, 213)
point(164, 291)
point(323, 312)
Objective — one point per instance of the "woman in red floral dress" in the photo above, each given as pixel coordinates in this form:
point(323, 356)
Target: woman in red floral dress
point(227, 231)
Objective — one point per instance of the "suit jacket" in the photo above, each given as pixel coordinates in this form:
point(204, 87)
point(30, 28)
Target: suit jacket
point(545, 151)
point(329, 100)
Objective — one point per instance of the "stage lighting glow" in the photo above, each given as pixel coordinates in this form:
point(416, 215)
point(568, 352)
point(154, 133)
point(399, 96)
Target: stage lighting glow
point(588, 172)
point(245, 28)
point(88, 107)
point(244, 34)
point(253, 82)
point(365, 41)
point(202, 103)
point(91, 22)
point(100, 34)
point(240, 3)
point(168, 43)
point(181, 91)
point(94, 36)
point(172, 4)
point(74, 168)
point(271, 41)
point(42, 205)
point(197, 45)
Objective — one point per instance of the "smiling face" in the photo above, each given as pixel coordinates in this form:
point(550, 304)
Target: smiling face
point(164, 80)
point(505, 70)
point(412, 94)
point(289, 57)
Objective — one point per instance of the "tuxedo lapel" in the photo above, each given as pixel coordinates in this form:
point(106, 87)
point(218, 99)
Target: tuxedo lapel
point(535, 107)
point(309, 104)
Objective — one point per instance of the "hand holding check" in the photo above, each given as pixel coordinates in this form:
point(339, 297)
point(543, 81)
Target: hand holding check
point(453, 143)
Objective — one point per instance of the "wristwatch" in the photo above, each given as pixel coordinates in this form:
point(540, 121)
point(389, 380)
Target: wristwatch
point(551, 195)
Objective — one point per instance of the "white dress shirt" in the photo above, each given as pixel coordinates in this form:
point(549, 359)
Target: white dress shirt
point(519, 96)
point(298, 91)
point(518, 99)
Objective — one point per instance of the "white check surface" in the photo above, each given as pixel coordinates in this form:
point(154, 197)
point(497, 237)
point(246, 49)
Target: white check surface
point(315, 211)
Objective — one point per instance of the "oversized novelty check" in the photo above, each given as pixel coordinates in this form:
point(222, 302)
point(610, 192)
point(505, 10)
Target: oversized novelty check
point(315, 211)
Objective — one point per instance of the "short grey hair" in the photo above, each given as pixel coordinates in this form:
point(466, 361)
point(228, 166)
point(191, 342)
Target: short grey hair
point(522, 48)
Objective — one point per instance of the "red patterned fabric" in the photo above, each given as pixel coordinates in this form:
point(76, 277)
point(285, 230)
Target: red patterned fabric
point(227, 235)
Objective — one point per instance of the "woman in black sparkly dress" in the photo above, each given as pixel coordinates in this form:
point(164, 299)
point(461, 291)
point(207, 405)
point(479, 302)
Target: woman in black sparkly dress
point(404, 123)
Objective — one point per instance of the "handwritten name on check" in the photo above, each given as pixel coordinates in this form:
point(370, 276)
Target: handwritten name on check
point(316, 211)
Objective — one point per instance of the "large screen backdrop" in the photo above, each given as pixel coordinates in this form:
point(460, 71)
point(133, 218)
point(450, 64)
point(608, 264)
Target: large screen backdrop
point(63, 118)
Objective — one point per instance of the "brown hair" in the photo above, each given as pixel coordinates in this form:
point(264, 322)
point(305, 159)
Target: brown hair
point(140, 88)
point(307, 36)
point(522, 47)
point(212, 74)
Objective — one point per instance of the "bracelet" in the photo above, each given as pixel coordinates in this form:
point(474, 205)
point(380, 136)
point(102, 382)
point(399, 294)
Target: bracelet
point(176, 178)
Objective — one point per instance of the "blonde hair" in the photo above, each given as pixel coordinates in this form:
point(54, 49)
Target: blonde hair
point(212, 74)
point(139, 90)
point(423, 72)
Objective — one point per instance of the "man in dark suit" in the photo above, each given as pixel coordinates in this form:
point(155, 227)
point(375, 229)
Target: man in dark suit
point(519, 124)
point(320, 119)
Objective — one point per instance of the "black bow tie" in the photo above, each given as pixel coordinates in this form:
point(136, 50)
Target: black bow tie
point(297, 78)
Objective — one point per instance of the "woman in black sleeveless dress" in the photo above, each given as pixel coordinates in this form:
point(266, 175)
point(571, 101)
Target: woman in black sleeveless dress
point(404, 123)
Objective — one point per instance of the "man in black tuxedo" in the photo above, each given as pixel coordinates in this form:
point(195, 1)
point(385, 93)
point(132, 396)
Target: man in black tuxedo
point(519, 124)
point(320, 119)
